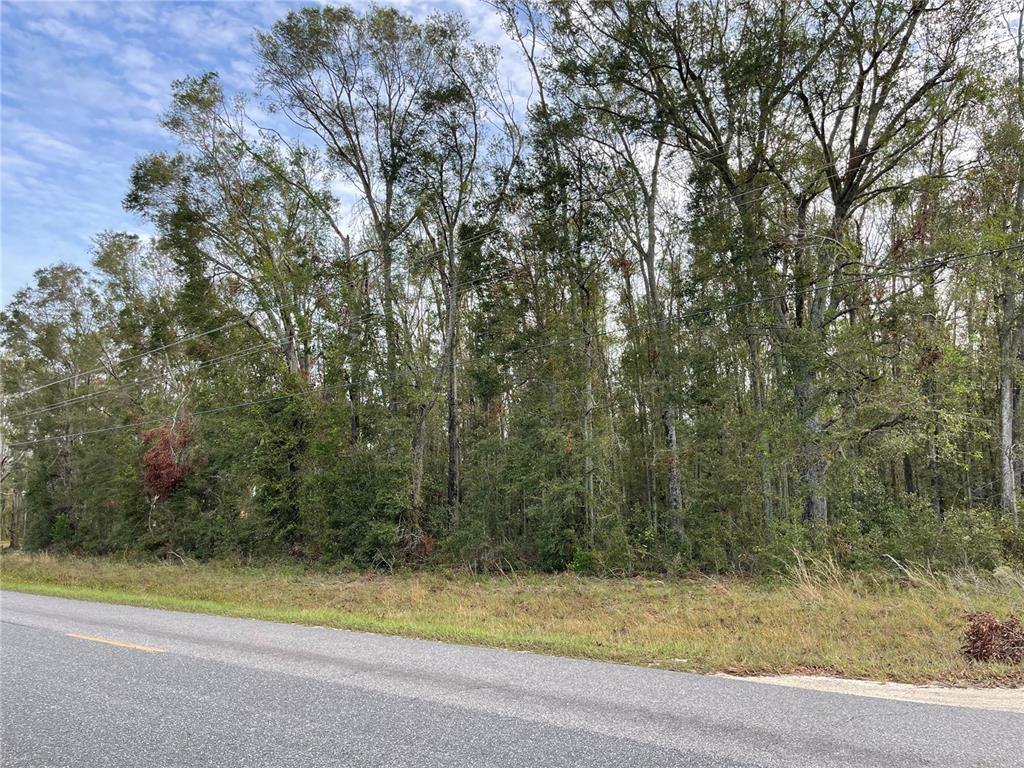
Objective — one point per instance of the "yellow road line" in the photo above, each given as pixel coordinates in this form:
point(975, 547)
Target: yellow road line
point(118, 643)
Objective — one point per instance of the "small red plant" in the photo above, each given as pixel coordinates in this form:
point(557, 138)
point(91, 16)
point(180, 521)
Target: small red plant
point(989, 639)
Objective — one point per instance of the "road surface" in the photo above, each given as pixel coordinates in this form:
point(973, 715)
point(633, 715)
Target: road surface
point(87, 684)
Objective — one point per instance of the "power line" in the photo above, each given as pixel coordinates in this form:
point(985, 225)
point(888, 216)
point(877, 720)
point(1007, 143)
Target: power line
point(722, 205)
point(350, 283)
point(929, 265)
point(227, 357)
point(164, 419)
point(353, 283)
point(732, 200)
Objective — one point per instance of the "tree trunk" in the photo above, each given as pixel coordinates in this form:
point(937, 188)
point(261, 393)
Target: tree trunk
point(453, 398)
point(418, 458)
point(1019, 430)
point(353, 418)
point(908, 474)
point(675, 483)
point(15, 519)
point(813, 465)
point(588, 460)
point(1007, 358)
point(390, 331)
point(757, 387)
point(647, 441)
point(1010, 334)
point(291, 352)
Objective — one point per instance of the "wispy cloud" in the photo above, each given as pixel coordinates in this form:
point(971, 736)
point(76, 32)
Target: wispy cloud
point(83, 87)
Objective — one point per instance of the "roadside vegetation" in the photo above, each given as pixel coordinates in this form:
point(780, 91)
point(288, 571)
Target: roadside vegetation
point(903, 626)
point(721, 283)
point(715, 283)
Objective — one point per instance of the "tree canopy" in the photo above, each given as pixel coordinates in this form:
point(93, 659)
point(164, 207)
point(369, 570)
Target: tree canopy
point(739, 280)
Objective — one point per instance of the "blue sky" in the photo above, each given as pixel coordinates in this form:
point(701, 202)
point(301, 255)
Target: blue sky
point(82, 86)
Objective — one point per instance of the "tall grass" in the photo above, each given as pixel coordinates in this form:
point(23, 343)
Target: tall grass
point(903, 624)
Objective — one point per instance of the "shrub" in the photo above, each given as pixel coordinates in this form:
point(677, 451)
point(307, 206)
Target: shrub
point(164, 464)
point(989, 639)
point(1012, 542)
point(585, 561)
point(968, 538)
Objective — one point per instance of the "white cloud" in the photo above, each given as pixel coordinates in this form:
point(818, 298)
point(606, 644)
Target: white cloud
point(84, 85)
point(135, 58)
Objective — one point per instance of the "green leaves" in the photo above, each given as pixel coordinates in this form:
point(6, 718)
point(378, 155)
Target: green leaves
point(737, 280)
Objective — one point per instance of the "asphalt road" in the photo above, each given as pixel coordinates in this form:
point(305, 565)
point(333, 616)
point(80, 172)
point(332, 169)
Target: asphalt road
point(188, 690)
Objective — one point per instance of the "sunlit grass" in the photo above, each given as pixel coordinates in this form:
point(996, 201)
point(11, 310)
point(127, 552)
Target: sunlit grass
point(904, 626)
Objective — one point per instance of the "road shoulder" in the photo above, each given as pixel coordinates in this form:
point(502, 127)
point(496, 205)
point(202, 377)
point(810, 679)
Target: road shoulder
point(1000, 699)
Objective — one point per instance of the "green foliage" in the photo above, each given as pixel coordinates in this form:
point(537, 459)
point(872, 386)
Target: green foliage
point(656, 321)
point(61, 533)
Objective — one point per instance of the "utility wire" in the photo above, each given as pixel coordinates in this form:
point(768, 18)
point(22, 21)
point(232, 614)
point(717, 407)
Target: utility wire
point(721, 205)
point(352, 283)
point(227, 357)
point(730, 201)
point(931, 264)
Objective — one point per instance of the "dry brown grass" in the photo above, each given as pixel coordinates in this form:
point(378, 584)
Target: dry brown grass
point(905, 626)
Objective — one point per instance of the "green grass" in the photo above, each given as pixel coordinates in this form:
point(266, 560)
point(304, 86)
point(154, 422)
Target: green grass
point(905, 627)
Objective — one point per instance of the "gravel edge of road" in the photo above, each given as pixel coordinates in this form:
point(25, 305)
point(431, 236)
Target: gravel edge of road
point(1000, 699)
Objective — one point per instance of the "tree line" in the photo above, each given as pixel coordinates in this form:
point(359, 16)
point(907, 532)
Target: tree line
point(708, 284)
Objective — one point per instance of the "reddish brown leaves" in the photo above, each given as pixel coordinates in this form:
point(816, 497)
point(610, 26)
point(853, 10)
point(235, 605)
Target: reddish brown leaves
point(989, 639)
point(164, 463)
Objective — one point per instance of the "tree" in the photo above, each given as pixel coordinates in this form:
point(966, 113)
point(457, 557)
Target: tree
point(228, 211)
point(737, 280)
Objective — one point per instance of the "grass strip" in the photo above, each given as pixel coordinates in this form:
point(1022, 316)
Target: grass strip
point(904, 627)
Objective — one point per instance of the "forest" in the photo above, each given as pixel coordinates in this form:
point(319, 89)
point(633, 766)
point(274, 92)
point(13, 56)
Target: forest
point(660, 286)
